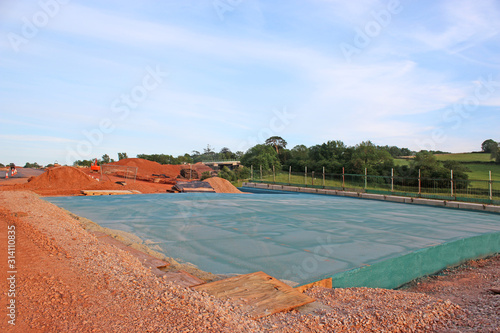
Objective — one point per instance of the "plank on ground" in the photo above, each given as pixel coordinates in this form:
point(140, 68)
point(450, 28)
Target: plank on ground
point(109, 192)
point(259, 293)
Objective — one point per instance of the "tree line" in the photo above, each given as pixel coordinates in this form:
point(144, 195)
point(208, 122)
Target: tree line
point(334, 156)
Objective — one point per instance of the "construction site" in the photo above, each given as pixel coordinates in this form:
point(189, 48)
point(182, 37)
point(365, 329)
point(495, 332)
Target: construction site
point(138, 246)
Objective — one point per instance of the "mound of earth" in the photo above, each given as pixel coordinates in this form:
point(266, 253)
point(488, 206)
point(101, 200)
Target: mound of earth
point(64, 177)
point(221, 185)
point(200, 168)
point(148, 168)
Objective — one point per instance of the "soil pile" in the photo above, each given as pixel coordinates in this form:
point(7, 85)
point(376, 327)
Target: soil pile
point(221, 185)
point(200, 168)
point(61, 178)
point(147, 168)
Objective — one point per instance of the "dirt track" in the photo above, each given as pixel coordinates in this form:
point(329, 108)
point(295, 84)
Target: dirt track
point(68, 281)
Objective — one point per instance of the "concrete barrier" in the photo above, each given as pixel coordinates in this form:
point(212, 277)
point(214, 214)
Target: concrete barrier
point(493, 209)
point(392, 198)
point(472, 206)
point(290, 188)
point(452, 204)
point(428, 202)
point(372, 196)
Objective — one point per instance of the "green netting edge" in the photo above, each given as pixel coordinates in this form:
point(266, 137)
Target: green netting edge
point(395, 272)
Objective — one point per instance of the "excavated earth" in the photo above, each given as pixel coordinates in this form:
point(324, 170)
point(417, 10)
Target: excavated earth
point(67, 280)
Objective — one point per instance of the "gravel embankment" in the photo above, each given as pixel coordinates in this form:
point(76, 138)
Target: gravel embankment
point(68, 281)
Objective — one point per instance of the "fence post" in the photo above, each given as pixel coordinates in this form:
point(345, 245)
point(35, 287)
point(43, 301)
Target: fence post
point(392, 179)
point(289, 175)
point(491, 187)
point(305, 177)
point(419, 183)
point(251, 172)
point(274, 175)
point(343, 179)
point(312, 182)
point(323, 177)
point(451, 182)
point(261, 172)
point(190, 170)
point(366, 178)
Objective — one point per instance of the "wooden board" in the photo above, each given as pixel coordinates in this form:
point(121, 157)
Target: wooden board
point(197, 190)
point(109, 192)
point(260, 294)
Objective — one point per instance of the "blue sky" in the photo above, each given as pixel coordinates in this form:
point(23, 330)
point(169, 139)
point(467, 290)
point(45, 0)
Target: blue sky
point(80, 79)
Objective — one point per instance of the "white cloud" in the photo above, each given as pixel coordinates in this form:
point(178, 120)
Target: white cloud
point(465, 24)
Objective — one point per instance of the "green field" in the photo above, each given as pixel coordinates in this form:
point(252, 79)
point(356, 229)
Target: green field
point(481, 171)
point(478, 170)
point(465, 157)
point(401, 162)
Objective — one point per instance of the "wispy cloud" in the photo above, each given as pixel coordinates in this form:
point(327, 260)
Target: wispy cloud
point(225, 77)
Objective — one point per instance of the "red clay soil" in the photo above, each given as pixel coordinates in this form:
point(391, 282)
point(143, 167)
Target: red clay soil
point(221, 185)
point(199, 168)
point(61, 178)
point(148, 168)
point(70, 181)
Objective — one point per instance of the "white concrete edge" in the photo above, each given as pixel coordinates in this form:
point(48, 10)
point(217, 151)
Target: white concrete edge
point(392, 198)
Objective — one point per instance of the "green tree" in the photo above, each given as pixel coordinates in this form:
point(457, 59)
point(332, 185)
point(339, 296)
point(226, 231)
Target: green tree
point(195, 156)
point(122, 156)
point(239, 154)
point(277, 142)
point(228, 174)
point(84, 163)
point(427, 163)
point(242, 172)
point(105, 158)
point(331, 155)
point(488, 146)
point(495, 152)
point(209, 154)
point(261, 155)
point(226, 154)
point(459, 169)
point(32, 165)
point(376, 160)
point(430, 167)
point(298, 158)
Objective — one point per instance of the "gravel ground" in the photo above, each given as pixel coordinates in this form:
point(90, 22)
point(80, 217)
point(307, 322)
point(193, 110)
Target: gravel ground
point(68, 281)
point(469, 286)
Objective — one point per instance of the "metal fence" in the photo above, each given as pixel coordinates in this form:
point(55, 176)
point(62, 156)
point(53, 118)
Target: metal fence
point(471, 190)
point(122, 171)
